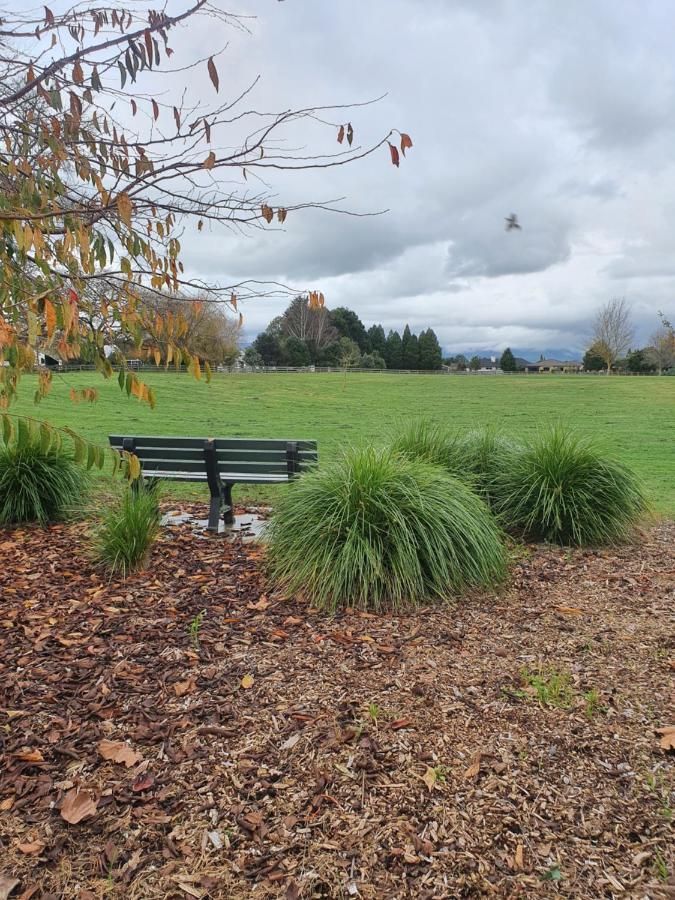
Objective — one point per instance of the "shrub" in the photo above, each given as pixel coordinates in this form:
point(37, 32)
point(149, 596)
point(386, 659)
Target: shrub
point(562, 488)
point(129, 528)
point(375, 530)
point(38, 483)
point(475, 457)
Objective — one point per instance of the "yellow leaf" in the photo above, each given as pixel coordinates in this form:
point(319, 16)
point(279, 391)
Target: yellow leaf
point(247, 681)
point(124, 208)
point(430, 778)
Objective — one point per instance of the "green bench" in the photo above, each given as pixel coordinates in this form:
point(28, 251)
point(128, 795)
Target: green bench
point(220, 462)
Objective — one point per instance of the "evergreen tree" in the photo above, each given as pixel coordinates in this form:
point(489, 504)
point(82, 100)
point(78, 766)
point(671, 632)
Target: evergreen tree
point(430, 356)
point(593, 360)
point(268, 347)
point(349, 325)
point(295, 352)
point(410, 349)
point(377, 339)
point(508, 361)
point(393, 355)
point(474, 363)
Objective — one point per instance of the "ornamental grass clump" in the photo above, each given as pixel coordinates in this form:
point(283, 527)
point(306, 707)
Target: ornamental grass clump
point(375, 530)
point(123, 539)
point(39, 481)
point(485, 452)
point(564, 489)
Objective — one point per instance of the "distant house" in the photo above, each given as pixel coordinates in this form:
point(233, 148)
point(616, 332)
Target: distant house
point(554, 365)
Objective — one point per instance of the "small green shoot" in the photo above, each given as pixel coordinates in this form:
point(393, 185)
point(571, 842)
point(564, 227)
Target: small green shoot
point(195, 625)
point(659, 866)
point(550, 688)
point(552, 874)
point(593, 704)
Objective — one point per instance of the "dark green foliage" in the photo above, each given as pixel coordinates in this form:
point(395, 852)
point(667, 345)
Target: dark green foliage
point(507, 363)
point(268, 346)
point(484, 452)
point(129, 528)
point(410, 350)
point(374, 530)
point(394, 351)
point(430, 354)
point(593, 361)
point(348, 324)
point(296, 353)
point(377, 339)
point(562, 488)
point(372, 361)
point(474, 363)
point(641, 362)
point(38, 483)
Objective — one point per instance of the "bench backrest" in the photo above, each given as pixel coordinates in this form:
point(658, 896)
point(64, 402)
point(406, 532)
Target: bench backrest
point(234, 455)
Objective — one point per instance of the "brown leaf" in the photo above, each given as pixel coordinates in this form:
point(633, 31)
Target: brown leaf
point(77, 805)
point(474, 768)
point(184, 687)
point(29, 756)
point(394, 155)
point(667, 741)
point(568, 610)
point(341, 134)
point(50, 317)
point(119, 752)
point(155, 110)
point(124, 208)
point(210, 161)
point(213, 73)
point(78, 74)
point(266, 213)
point(430, 778)
point(32, 847)
point(247, 681)
point(176, 116)
point(406, 142)
point(143, 782)
point(350, 133)
point(397, 724)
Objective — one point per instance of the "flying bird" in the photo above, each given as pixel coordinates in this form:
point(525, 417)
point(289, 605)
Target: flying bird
point(512, 222)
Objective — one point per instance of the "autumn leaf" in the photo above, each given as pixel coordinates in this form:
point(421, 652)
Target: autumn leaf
point(518, 860)
point(32, 756)
point(213, 73)
point(341, 134)
point(124, 208)
point(430, 778)
point(350, 133)
point(247, 681)
point(181, 688)
point(32, 847)
point(210, 161)
point(406, 142)
point(266, 213)
point(568, 610)
point(78, 74)
point(50, 317)
point(155, 110)
point(143, 782)
point(394, 155)
point(667, 741)
point(474, 768)
point(119, 752)
point(77, 805)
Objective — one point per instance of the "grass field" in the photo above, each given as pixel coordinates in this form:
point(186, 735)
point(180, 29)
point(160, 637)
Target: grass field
point(633, 417)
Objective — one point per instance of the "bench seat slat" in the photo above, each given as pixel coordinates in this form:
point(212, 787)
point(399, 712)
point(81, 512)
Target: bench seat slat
point(225, 458)
point(234, 477)
point(186, 465)
point(178, 442)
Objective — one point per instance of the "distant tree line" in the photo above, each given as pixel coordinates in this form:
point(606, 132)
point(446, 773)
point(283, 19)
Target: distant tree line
point(305, 336)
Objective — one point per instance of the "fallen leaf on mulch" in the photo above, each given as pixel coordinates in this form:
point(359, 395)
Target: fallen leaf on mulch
point(7, 885)
point(143, 783)
point(568, 610)
point(247, 681)
point(32, 847)
point(518, 858)
point(77, 805)
point(119, 752)
point(667, 741)
point(430, 778)
point(474, 768)
point(184, 687)
point(397, 724)
point(29, 756)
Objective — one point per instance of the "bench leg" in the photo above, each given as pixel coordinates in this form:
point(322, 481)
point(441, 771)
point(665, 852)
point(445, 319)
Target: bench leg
point(228, 514)
point(214, 514)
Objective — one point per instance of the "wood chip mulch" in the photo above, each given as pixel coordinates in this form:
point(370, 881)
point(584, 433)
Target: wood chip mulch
point(274, 752)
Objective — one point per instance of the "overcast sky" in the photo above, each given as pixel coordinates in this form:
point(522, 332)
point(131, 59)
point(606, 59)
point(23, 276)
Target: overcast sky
point(563, 113)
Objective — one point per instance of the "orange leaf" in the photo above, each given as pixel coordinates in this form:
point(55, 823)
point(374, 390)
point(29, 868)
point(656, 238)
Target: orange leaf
point(213, 73)
point(394, 154)
point(341, 134)
point(406, 142)
point(50, 317)
point(29, 756)
point(210, 161)
point(124, 209)
point(77, 805)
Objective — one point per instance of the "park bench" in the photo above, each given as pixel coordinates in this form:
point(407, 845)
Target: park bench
point(220, 462)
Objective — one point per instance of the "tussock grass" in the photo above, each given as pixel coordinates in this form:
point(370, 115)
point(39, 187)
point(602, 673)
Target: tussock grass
point(123, 539)
point(37, 484)
point(562, 488)
point(375, 530)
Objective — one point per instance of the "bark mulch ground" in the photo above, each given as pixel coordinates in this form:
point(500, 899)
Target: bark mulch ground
point(506, 747)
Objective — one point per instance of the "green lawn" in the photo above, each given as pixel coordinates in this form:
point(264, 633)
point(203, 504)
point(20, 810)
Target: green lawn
point(634, 417)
